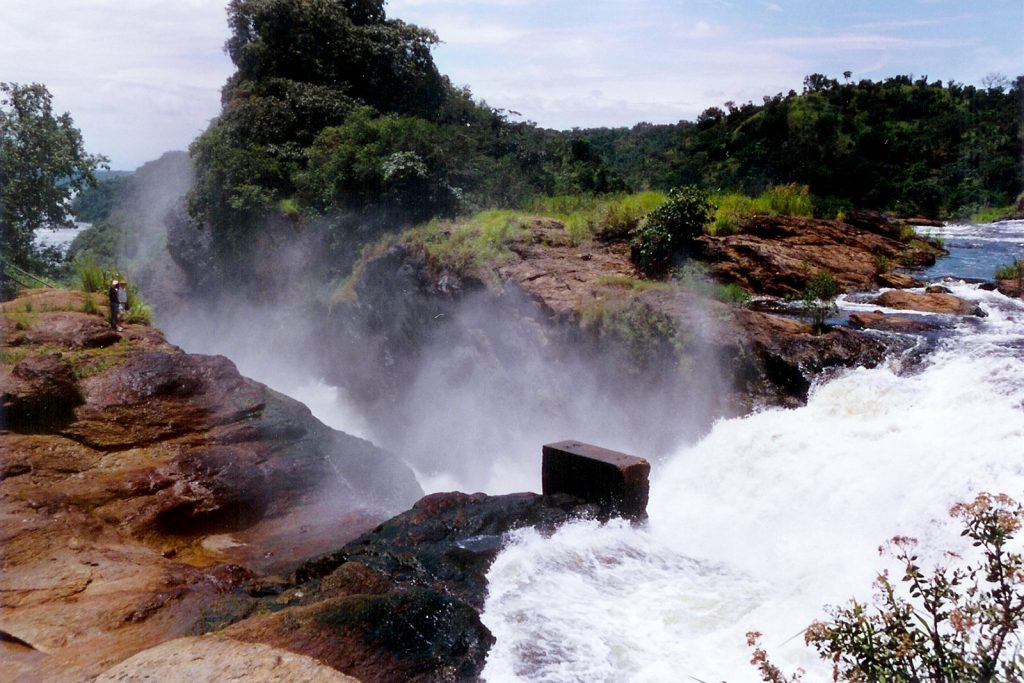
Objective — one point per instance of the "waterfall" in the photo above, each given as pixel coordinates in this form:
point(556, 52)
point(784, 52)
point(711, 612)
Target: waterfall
point(769, 518)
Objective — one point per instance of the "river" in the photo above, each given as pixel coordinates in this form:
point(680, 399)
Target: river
point(772, 516)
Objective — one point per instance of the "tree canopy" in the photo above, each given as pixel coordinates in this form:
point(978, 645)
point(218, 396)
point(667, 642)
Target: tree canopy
point(42, 163)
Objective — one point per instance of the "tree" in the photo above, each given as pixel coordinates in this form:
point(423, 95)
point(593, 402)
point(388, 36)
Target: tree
point(671, 229)
point(42, 163)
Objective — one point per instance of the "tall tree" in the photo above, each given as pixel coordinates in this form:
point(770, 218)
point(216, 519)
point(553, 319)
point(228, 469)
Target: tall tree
point(42, 163)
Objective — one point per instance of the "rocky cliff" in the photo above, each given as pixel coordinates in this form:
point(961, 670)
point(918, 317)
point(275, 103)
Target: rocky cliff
point(141, 485)
point(568, 301)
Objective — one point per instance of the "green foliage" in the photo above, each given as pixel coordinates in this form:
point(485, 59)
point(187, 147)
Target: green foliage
point(991, 214)
point(648, 339)
point(89, 305)
point(670, 229)
point(42, 163)
point(905, 145)
point(607, 217)
point(958, 623)
point(819, 299)
point(93, 204)
point(1010, 271)
point(573, 167)
point(91, 276)
point(398, 164)
point(633, 284)
point(476, 243)
point(102, 243)
point(781, 200)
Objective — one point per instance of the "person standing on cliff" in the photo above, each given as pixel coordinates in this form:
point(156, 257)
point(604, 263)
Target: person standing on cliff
point(122, 303)
point(115, 304)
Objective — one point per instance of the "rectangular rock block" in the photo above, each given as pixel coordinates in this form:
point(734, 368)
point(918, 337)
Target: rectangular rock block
point(616, 482)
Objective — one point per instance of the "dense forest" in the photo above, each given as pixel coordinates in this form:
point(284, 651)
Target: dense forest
point(337, 118)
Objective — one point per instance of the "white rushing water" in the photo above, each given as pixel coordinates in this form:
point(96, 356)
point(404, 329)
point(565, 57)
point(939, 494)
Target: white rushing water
point(768, 519)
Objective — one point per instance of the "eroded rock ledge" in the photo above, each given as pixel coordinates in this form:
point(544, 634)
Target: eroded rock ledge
point(140, 483)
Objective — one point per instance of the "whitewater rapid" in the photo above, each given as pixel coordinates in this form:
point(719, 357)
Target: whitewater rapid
point(768, 519)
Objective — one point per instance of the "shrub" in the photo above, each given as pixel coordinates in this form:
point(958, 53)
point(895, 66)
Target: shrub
point(670, 229)
point(92, 277)
point(90, 306)
point(960, 623)
point(819, 299)
point(1010, 271)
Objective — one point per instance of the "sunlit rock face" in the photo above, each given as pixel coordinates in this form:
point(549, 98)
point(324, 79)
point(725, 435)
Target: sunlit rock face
point(140, 482)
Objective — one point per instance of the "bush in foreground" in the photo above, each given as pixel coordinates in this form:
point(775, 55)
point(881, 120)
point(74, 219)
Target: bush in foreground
point(958, 624)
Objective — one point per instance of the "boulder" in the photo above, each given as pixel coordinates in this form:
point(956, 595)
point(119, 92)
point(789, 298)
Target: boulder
point(892, 323)
point(1010, 288)
point(928, 303)
point(39, 393)
point(617, 483)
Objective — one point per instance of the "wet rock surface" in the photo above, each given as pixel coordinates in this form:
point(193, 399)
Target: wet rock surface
point(143, 487)
point(402, 602)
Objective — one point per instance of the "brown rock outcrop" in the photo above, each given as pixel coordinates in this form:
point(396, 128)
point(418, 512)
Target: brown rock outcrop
point(891, 323)
point(140, 485)
point(935, 302)
point(777, 254)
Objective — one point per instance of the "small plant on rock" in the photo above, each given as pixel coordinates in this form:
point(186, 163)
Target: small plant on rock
point(819, 299)
point(670, 229)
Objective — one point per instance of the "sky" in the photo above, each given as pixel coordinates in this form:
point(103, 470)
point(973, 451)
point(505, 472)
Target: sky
point(141, 77)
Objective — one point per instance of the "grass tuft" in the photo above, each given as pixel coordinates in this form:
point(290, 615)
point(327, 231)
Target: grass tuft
point(780, 200)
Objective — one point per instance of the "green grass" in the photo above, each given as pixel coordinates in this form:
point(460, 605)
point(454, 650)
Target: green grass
point(91, 276)
point(633, 284)
point(781, 200)
point(1010, 271)
point(480, 241)
point(993, 213)
point(22, 318)
point(606, 216)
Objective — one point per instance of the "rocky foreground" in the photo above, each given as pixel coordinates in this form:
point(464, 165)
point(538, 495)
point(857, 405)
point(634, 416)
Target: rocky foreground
point(140, 484)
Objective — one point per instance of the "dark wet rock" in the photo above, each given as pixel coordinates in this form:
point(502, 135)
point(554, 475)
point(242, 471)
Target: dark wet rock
point(415, 634)
point(402, 602)
point(937, 289)
point(39, 391)
point(783, 356)
point(447, 541)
